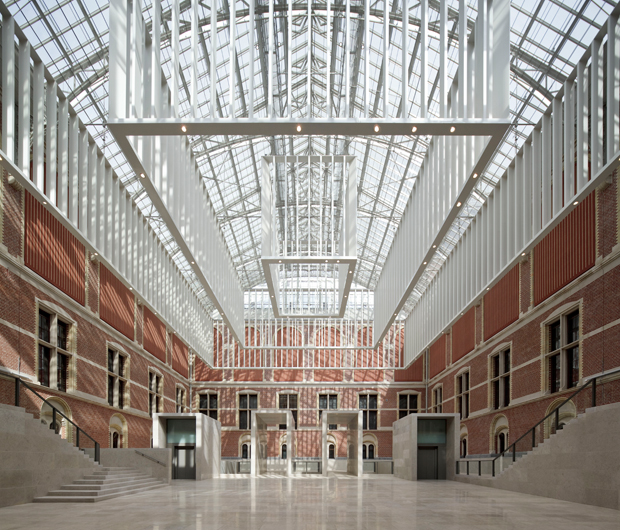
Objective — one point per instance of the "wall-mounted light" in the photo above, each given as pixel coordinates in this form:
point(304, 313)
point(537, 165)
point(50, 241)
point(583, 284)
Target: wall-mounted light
point(575, 203)
point(44, 202)
point(376, 128)
point(425, 263)
point(434, 246)
point(523, 254)
point(142, 176)
point(452, 129)
point(299, 128)
point(414, 129)
point(475, 175)
point(183, 128)
point(458, 204)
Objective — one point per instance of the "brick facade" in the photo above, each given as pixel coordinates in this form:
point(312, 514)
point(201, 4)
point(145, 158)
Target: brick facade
point(594, 292)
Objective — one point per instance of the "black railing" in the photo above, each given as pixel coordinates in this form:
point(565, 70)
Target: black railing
point(150, 458)
point(512, 449)
point(19, 383)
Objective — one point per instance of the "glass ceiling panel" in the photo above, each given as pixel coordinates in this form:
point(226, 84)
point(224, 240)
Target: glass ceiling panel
point(547, 37)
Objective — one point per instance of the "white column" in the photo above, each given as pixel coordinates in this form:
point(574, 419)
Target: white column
point(63, 156)
point(423, 57)
point(38, 126)
point(51, 139)
point(582, 126)
point(8, 86)
point(23, 155)
point(118, 59)
point(74, 182)
point(556, 116)
point(613, 85)
point(596, 107)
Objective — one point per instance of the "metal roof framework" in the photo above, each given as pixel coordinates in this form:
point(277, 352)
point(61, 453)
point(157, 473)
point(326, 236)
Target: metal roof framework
point(547, 39)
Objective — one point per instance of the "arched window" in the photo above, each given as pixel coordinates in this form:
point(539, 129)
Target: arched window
point(118, 431)
point(332, 451)
point(283, 452)
point(245, 451)
point(463, 447)
point(368, 451)
point(61, 426)
point(115, 440)
point(499, 434)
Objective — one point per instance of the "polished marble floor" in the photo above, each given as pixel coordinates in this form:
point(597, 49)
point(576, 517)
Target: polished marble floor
point(339, 503)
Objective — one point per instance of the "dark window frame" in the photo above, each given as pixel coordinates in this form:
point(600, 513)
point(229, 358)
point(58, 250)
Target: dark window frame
point(562, 358)
point(370, 413)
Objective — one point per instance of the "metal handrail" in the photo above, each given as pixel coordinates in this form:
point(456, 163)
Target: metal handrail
point(55, 411)
point(512, 449)
point(150, 458)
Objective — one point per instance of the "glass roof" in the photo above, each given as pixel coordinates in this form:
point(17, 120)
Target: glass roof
point(547, 36)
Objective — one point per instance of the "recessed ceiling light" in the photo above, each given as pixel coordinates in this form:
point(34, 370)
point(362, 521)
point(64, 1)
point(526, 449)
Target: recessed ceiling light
point(337, 261)
point(350, 272)
point(183, 128)
point(434, 246)
point(425, 263)
point(0, 159)
point(44, 202)
point(458, 204)
point(376, 128)
point(475, 175)
point(279, 261)
point(193, 263)
point(523, 254)
point(575, 203)
point(414, 129)
point(325, 261)
point(95, 254)
point(452, 129)
point(142, 175)
point(131, 288)
point(488, 288)
point(299, 128)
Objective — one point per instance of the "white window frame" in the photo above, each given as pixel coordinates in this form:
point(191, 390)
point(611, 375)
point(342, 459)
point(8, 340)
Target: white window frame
point(503, 377)
point(157, 393)
point(560, 315)
point(463, 394)
point(124, 377)
point(56, 313)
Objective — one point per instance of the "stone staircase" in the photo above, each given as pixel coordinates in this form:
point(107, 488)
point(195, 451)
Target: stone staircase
point(579, 463)
point(108, 483)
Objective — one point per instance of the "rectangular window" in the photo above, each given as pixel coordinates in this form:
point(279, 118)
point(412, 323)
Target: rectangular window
point(368, 405)
point(44, 365)
point(180, 400)
point(54, 357)
point(328, 402)
point(563, 354)
point(438, 399)
point(407, 404)
point(500, 379)
point(289, 401)
point(117, 379)
point(207, 404)
point(247, 403)
point(462, 394)
point(156, 399)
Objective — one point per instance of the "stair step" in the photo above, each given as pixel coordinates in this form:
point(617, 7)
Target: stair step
point(101, 481)
point(97, 493)
point(105, 486)
point(68, 498)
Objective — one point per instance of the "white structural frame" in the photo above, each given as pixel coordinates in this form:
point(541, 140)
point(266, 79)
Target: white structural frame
point(353, 419)
point(90, 200)
point(271, 256)
point(507, 227)
point(261, 420)
point(471, 111)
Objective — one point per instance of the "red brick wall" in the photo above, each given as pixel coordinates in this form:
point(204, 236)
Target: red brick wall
point(464, 335)
point(415, 372)
point(52, 251)
point(567, 252)
point(437, 356)
point(117, 303)
point(154, 335)
point(180, 354)
point(501, 304)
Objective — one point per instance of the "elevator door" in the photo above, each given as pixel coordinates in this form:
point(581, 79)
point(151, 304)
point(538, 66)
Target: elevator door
point(184, 463)
point(428, 460)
